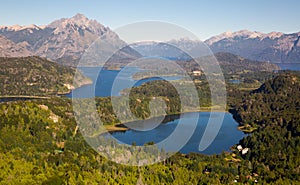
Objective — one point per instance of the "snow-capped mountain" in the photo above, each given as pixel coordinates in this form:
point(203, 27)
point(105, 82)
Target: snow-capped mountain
point(275, 47)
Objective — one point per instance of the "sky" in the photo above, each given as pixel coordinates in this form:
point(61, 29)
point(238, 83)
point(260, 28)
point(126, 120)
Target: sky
point(204, 18)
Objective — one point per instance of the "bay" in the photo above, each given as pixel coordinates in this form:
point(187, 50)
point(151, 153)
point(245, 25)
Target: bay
point(228, 134)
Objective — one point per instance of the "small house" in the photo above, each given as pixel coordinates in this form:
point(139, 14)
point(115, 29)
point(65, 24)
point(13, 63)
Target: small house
point(239, 147)
point(245, 151)
point(197, 73)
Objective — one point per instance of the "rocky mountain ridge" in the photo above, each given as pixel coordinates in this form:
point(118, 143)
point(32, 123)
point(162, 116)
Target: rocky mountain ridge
point(66, 39)
point(63, 40)
point(275, 47)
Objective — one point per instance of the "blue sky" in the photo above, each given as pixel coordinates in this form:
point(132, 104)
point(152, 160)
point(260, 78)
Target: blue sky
point(204, 18)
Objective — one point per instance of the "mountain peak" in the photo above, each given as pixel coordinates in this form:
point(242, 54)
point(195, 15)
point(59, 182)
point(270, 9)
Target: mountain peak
point(79, 16)
point(80, 19)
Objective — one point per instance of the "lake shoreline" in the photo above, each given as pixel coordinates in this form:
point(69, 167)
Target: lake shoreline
point(228, 130)
point(87, 82)
point(121, 127)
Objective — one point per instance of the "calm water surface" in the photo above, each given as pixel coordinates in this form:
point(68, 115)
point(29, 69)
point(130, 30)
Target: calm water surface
point(103, 82)
point(290, 66)
point(228, 135)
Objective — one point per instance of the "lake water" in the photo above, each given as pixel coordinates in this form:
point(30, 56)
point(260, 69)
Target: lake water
point(289, 66)
point(228, 135)
point(103, 82)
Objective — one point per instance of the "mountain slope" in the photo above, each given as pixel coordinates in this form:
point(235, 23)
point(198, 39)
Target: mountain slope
point(64, 40)
point(10, 49)
point(164, 50)
point(70, 37)
point(182, 49)
point(275, 47)
point(231, 63)
point(272, 113)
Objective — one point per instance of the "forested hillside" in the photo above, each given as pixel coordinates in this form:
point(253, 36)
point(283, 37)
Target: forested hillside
point(272, 114)
point(34, 76)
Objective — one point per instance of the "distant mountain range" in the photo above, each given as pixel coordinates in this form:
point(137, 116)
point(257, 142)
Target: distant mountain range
point(182, 49)
point(275, 47)
point(65, 41)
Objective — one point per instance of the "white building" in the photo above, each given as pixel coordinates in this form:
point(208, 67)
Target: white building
point(197, 73)
point(239, 147)
point(245, 151)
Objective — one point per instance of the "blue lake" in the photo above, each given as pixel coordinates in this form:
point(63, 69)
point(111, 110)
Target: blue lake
point(289, 66)
point(228, 134)
point(103, 81)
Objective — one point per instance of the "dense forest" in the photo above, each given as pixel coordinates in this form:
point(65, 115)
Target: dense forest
point(35, 76)
point(271, 113)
